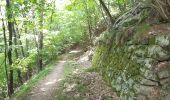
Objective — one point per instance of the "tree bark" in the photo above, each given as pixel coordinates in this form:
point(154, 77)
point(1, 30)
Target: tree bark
point(17, 55)
point(40, 35)
point(5, 51)
point(29, 72)
point(20, 42)
point(107, 11)
point(9, 16)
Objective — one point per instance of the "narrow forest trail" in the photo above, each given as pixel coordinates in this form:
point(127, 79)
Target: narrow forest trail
point(45, 88)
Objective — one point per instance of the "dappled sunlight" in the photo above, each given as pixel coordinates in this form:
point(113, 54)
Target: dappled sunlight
point(74, 51)
point(59, 80)
point(51, 82)
point(42, 42)
point(85, 56)
point(42, 89)
point(76, 71)
point(62, 61)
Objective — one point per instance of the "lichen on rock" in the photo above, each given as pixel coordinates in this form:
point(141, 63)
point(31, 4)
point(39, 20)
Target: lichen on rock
point(134, 68)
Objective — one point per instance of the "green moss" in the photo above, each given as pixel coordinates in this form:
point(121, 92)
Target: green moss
point(130, 22)
point(100, 52)
point(115, 65)
point(141, 32)
point(142, 28)
point(122, 65)
point(152, 40)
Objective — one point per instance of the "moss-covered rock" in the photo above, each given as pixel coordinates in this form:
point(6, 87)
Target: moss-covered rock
point(133, 65)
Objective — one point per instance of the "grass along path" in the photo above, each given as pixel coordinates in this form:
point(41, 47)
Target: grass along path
point(81, 82)
point(42, 86)
point(77, 83)
point(45, 88)
point(21, 91)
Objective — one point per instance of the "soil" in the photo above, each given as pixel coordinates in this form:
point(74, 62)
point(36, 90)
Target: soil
point(45, 88)
point(85, 86)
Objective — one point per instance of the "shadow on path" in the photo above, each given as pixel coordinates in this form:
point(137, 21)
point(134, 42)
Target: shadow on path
point(45, 88)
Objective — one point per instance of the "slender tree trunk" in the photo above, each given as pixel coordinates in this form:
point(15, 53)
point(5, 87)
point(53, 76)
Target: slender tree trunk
point(88, 19)
point(22, 47)
point(26, 44)
point(29, 72)
point(10, 60)
point(40, 64)
point(52, 12)
point(9, 16)
point(17, 55)
point(40, 35)
point(5, 52)
point(107, 11)
point(20, 43)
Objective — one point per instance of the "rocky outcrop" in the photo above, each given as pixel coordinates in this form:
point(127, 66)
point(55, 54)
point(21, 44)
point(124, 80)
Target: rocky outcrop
point(139, 67)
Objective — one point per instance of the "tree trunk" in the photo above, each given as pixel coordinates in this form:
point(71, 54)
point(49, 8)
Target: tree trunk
point(5, 52)
point(17, 55)
point(29, 72)
point(20, 42)
point(88, 23)
point(9, 16)
point(40, 35)
point(107, 11)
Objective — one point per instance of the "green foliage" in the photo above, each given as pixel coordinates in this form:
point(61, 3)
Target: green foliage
point(117, 68)
point(21, 91)
point(70, 67)
point(70, 30)
point(23, 63)
point(2, 76)
point(61, 30)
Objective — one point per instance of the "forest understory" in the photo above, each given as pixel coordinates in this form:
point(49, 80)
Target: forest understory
point(106, 49)
point(71, 78)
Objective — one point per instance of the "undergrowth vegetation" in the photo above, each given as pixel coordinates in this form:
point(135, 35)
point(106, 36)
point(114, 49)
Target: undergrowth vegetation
point(40, 33)
point(84, 85)
point(20, 92)
point(131, 38)
point(71, 67)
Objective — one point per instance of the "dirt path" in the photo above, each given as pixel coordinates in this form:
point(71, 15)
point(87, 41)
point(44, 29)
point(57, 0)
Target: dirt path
point(45, 88)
